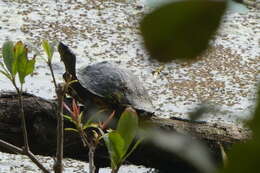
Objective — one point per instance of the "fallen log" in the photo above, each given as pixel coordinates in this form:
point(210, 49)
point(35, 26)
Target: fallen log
point(41, 127)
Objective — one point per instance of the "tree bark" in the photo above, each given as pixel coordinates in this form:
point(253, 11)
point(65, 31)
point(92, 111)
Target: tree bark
point(41, 124)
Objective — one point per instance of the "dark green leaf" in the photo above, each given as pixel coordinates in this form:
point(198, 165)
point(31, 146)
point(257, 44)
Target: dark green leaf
point(181, 30)
point(132, 150)
point(244, 157)
point(8, 55)
point(115, 145)
point(127, 127)
point(255, 122)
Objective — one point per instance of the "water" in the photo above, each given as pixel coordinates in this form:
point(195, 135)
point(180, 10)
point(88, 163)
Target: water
point(226, 75)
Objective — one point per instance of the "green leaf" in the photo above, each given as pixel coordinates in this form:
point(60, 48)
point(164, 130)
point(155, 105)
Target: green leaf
point(8, 55)
point(181, 30)
point(80, 117)
point(67, 117)
point(127, 127)
point(25, 66)
point(131, 150)
point(70, 119)
point(254, 123)
point(29, 66)
point(71, 129)
point(115, 145)
point(6, 74)
point(49, 49)
point(88, 125)
point(244, 157)
point(184, 146)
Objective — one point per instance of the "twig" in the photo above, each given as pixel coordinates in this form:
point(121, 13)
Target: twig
point(35, 160)
point(52, 74)
point(23, 151)
point(26, 149)
point(91, 152)
point(11, 147)
point(58, 166)
point(91, 149)
point(20, 99)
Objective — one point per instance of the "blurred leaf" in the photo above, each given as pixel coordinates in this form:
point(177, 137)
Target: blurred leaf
point(6, 74)
point(88, 125)
point(224, 155)
point(255, 122)
point(49, 49)
point(25, 66)
point(199, 111)
point(181, 30)
point(20, 49)
point(244, 157)
point(68, 117)
point(8, 55)
point(5, 71)
point(127, 127)
point(132, 149)
point(158, 3)
point(183, 146)
point(115, 145)
point(71, 129)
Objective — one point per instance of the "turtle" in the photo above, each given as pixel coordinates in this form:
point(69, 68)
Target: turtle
point(105, 83)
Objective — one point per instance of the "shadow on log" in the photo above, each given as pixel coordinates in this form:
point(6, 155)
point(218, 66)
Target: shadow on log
point(41, 127)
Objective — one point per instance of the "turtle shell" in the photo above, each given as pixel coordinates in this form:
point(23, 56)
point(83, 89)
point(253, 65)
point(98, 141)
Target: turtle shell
point(115, 85)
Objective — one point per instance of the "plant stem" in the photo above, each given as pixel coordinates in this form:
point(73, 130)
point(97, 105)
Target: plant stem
point(91, 152)
point(58, 166)
point(115, 170)
point(35, 160)
point(52, 74)
point(20, 99)
point(22, 151)
point(11, 147)
point(26, 149)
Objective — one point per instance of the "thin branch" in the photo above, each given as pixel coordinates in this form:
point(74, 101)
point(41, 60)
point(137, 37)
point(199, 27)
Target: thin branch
point(91, 150)
point(11, 147)
point(24, 152)
point(58, 166)
point(26, 149)
point(92, 168)
point(35, 160)
point(52, 74)
point(20, 99)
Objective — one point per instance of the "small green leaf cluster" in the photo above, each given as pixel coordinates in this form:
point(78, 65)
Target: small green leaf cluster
point(16, 61)
point(76, 118)
point(118, 141)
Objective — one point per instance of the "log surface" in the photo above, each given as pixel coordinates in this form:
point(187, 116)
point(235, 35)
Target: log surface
point(41, 127)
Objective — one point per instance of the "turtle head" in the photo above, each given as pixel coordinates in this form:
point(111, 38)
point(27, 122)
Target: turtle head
point(68, 58)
